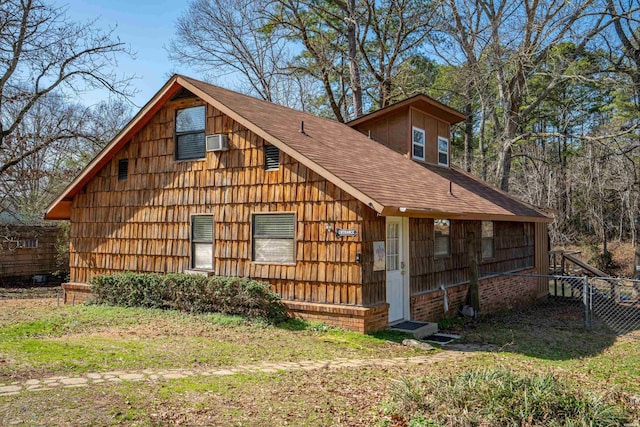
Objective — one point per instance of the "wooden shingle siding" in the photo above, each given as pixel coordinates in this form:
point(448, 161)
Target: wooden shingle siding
point(513, 248)
point(143, 223)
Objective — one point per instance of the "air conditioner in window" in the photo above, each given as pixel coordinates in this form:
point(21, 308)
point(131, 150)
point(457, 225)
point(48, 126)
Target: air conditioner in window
point(217, 142)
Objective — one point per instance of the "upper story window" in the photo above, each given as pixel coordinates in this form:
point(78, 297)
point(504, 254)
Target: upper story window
point(441, 240)
point(271, 158)
point(417, 143)
point(443, 151)
point(190, 133)
point(487, 239)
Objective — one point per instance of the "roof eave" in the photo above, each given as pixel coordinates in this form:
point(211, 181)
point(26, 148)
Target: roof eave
point(455, 116)
point(467, 216)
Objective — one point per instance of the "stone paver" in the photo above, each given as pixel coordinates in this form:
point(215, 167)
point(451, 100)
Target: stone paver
point(96, 378)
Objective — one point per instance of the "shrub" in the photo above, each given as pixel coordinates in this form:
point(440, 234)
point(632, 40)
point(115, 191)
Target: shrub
point(190, 293)
point(501, 397)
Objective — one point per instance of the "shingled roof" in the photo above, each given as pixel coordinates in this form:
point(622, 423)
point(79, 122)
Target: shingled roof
point(382, 178)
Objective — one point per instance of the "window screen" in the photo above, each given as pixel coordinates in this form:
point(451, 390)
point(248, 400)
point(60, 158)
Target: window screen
point(487, 239)
point(123, 169)
point(190, 133)
point(443, 151)
point(202, 242)
point(271, 157)
point(418, 143)
point(441, 237)
point(273, 238)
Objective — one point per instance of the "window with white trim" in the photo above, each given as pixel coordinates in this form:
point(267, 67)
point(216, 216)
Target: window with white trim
point(202, 242)
point(441, 237)
point(190, 133)
point(487, 239)
point(417, 143)
point(273, 238)
point(443, 151)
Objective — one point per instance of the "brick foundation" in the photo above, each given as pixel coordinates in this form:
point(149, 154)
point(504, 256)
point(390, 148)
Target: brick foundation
point(353, 318)
point(76, 293)
point(496, 293)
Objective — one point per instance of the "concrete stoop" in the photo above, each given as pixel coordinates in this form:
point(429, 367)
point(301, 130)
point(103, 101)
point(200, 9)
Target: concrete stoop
point(418, 330)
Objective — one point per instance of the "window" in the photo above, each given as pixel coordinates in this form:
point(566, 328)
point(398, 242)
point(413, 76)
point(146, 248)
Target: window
point(190, 140)
point(418, 143)
point(273, 238)
point(202, 242)
point(271, 158)
point(123, 169)
point(487, 239)
point(443, 151)
point(441, 237)
point(393, 247)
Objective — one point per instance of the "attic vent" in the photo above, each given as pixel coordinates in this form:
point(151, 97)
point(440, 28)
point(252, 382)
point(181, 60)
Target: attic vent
point(271, 157)
point(183, 94)
point(217, 142)
point(123, 169)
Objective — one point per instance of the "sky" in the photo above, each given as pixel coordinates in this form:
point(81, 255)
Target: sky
point(147, 26)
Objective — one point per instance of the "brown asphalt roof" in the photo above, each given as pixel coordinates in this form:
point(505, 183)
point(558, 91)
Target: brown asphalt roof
point(386, 180)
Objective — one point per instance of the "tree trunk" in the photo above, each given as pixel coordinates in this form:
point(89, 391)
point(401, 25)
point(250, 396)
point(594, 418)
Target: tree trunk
point(354, 70)
point(468, 136)
point(473, 296)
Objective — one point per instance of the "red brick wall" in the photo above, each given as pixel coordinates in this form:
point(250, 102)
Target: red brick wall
point(352, 318)
point(496, 293)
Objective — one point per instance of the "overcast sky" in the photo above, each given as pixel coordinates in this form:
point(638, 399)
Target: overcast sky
point(147, 26)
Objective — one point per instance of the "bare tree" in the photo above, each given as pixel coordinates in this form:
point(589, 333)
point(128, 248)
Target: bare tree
point(223, 37)
point(42, 51)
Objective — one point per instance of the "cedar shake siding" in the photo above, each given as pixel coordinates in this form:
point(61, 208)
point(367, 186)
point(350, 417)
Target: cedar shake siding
point(151, 202)
point(143, 223)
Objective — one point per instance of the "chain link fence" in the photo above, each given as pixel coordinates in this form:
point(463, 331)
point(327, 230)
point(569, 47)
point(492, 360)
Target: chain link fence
point(603, 304)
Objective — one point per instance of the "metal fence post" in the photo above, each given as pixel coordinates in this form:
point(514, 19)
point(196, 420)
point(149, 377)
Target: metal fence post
point(590, 286)
point(585, 301)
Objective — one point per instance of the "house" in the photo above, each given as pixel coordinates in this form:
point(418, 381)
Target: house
point(358, 225)
point(28, 250)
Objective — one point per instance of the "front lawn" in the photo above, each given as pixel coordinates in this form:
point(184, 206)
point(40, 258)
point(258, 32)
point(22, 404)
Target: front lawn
point(38, 340)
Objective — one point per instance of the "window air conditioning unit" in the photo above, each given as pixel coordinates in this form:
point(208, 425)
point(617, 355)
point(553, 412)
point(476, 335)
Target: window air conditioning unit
point(217, 142)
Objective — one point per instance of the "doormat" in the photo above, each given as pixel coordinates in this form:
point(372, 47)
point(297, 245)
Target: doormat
point(443, 339)
point(408, 325)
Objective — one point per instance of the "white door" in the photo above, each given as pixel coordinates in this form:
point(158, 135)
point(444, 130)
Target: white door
point(395, 269)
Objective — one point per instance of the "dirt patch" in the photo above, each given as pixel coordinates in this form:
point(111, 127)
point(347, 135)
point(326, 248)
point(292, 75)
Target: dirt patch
point(28, 302)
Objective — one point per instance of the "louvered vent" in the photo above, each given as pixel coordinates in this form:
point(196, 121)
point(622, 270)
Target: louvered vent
point(271, 157)
point(123, 169)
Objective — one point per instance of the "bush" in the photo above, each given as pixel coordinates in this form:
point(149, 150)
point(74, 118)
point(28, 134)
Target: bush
point(500, 397)
point(190, 293)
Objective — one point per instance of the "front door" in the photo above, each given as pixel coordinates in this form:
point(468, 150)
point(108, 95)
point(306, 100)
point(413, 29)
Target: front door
point(395, 269)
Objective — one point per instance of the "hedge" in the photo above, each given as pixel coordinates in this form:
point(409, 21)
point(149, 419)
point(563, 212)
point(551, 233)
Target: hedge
point(191, 293)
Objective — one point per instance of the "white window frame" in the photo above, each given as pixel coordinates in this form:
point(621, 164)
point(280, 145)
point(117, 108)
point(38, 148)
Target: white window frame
point(442, 138)
point(194, 242)
point(414, 143)
point(486, 239)
point(255, 236)
point(436, 237)
point(191, 132)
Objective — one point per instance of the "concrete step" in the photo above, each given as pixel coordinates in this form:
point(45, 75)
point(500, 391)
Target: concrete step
point(418, 330)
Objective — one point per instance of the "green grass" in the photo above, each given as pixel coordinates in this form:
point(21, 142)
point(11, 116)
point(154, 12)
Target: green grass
point(39, 341)
point(78, 339)
point(502, 396)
